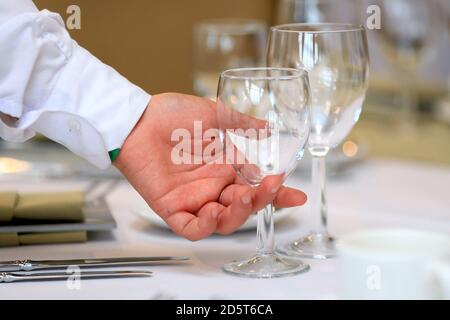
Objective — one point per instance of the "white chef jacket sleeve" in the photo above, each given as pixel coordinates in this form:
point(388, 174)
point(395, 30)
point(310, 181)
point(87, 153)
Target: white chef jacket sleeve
point(51, 85)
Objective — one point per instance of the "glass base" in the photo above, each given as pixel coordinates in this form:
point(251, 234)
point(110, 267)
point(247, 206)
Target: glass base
point(315, 246)
point(266, 266)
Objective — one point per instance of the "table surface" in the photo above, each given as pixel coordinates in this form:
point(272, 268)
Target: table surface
point(376, 193)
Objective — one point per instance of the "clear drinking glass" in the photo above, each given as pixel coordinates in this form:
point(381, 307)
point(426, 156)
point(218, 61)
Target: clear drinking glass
point(409, 32)
point(446, 9)
point(224, 44)
point(264, 122)
point(337, 60)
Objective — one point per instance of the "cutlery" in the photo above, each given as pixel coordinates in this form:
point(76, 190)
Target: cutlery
point(29, 265)
point(19, 276)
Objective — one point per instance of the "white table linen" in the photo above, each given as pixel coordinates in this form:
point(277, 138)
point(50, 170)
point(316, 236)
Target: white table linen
point(377, 193)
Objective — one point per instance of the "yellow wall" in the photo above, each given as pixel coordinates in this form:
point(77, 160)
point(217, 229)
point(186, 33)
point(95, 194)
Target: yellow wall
point(149, 41)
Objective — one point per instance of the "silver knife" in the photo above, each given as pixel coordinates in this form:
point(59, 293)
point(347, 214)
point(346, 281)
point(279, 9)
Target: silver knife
point(29, 265)
point(18, 276)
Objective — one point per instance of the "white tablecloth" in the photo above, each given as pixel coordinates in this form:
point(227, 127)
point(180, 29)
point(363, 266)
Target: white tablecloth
point(377, 193)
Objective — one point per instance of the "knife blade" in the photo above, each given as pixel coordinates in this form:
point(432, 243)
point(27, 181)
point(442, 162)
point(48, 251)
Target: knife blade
point(29, 265)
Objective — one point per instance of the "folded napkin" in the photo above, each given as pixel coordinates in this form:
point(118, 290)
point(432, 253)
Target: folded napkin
point(8, 202)
point(14, 239)
point(50, 206)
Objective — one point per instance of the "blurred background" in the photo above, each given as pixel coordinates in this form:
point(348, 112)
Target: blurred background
point(175, 45)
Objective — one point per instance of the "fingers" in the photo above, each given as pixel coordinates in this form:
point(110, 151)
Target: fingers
point(267, 191)
point(285, 198)
point(236, 204)
point(194, 227)
point(289, 197)
point(238, 211)
point(195, 189)
point(243, 200)
point(226, 196)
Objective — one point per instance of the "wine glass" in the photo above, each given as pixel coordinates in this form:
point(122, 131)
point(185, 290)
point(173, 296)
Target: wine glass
point(264, 122)
point(315, 11)
point(446, 10)
point(337, 60)
point(221, 44)
point(407, 35)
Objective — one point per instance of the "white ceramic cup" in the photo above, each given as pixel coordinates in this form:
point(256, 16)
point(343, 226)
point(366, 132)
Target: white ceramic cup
point(394, 264)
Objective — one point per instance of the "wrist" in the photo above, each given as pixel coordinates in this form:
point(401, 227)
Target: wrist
point(127, 156)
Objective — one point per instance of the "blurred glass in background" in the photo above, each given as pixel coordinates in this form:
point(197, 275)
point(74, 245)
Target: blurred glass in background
point(410, 68)
point(314, 11)
point(224, 44)
point(443, 107)
point(409, 34)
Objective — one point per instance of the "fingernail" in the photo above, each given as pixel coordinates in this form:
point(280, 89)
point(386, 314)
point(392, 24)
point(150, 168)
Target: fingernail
point(246, 199)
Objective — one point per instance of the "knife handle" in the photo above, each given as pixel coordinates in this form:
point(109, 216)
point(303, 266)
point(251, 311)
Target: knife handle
point(5, 277)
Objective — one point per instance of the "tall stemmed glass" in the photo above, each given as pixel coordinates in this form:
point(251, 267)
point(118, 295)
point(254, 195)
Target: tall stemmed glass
point(409, 32)
point(337, 60)
point(264, 122)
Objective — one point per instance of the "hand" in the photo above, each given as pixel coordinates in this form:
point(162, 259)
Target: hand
point(195, 200)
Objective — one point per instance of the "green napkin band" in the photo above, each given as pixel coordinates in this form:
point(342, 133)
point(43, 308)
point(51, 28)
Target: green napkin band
point(113, 154)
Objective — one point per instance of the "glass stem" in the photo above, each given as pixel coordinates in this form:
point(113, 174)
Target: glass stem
point(318, 201)
point(409, 104)
point(265, 232)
